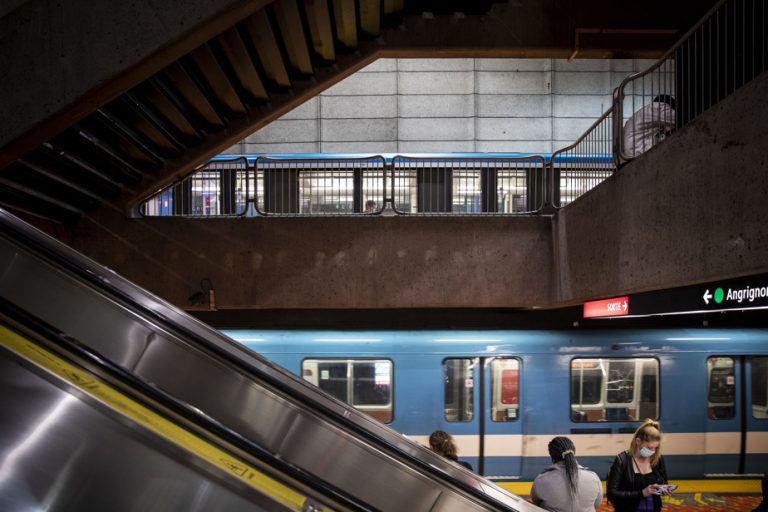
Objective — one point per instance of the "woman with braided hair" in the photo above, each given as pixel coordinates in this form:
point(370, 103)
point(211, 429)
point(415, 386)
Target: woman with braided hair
point(565, 486)
point(441, 442)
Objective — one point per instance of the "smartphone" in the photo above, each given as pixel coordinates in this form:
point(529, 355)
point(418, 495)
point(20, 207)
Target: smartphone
point(666, 488)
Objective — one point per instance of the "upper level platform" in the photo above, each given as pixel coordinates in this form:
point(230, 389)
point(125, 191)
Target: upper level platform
point(690, 210)
point(100, 124)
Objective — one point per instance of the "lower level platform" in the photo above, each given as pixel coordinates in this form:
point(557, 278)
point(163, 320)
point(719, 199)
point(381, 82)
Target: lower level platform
point(693, 495)
point(708, 502)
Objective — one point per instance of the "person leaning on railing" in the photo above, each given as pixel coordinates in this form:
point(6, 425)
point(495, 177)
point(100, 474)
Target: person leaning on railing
point(649, 125)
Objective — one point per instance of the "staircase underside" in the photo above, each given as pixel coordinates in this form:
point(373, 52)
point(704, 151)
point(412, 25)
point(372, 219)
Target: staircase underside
point(109, 103)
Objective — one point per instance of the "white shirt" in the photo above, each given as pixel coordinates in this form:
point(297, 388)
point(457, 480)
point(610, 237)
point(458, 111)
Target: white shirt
point(551, 491)
point(647, 127)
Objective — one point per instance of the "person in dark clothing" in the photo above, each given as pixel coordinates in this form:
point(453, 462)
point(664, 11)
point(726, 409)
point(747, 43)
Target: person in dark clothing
point(637, 478)
point(441, 442)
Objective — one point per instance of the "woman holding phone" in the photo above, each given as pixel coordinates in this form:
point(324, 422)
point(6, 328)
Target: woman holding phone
point(638, 477)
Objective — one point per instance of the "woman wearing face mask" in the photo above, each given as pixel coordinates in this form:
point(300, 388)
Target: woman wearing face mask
point(636, 478)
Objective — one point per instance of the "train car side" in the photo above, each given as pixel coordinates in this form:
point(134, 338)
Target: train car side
point(505, 394)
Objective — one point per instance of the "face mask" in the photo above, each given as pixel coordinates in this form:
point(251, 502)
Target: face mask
point(646, 452)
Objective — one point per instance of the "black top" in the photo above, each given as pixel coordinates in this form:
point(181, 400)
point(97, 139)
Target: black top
point(625, 487)
point(462, 463)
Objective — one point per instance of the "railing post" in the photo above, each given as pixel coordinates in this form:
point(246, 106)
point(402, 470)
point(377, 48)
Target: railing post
point(357, 190)
point(548, 188)
point(228, 194)
point(182, 197)
point(618, 125)
point(489, 196)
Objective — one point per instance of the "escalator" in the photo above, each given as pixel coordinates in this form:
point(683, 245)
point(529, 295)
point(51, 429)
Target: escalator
point(80, 439)
point(120, 401)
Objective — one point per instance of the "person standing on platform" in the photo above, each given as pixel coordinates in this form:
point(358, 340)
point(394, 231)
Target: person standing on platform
point(637, 479)
point(441, 442)
point(565, 486)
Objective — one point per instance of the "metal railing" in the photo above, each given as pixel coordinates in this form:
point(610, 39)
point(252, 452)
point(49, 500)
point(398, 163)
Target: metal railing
point(321, 186)
point(721, 53)
point(580, 167)
point(467, 186)
point(218, 189)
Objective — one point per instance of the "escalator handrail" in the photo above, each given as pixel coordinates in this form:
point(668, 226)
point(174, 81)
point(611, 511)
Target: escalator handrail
point(189, 329)
point(140, 391)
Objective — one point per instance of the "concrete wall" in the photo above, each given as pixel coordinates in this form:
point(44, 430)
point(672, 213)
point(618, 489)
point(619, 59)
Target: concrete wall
point(375, 262)
point(450, 105)
point(692, 209)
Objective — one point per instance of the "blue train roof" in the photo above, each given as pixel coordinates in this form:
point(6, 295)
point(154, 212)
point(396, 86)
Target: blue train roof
point(388, 157)
point(498, 342)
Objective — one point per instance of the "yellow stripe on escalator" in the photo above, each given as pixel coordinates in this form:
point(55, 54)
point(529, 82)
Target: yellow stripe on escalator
point(147, 418)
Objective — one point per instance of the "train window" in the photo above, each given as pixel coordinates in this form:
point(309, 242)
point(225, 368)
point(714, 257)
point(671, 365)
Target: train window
point(459, 376)
point(371, 382)
point(760, 388)
point(206, 193)
point(505, 389)
point(621, 382)
point(466, 191)
point(333, 378)
point(366, 384)
point(614, 389)
point(721, 388)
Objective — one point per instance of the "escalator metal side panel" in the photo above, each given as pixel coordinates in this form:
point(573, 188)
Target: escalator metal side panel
point(263, 417)
point(65, 448)
point(284, 425)
point(26, 287)
point(88, 317)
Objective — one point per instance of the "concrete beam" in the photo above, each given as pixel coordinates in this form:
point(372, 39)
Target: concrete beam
point(549, 28)
point(63, 60)
point(691, 210)
point(374, 262)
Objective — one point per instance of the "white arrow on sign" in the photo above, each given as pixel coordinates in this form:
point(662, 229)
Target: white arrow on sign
point(624, 305)
point(707, 296)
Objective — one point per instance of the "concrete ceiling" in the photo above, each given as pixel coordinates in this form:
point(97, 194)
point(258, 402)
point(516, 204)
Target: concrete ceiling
point(107, 103)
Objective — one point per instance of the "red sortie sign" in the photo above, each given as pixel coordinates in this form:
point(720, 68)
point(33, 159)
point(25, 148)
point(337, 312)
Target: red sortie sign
point(617, 306)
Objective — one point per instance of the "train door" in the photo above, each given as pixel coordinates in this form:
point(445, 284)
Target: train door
point(501, 435)
point(722, 435)
point(461, 378)
point(756, 439)
point(737, 415)
point(482, 404)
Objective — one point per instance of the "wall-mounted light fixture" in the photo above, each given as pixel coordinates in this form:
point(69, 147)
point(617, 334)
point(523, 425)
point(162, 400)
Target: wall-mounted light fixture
point(206, 293)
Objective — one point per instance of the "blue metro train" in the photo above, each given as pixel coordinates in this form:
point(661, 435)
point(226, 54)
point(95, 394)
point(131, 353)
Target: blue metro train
point(505, 394)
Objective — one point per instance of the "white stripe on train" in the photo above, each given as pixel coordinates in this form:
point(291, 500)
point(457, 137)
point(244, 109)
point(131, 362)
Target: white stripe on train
point(599, 445)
